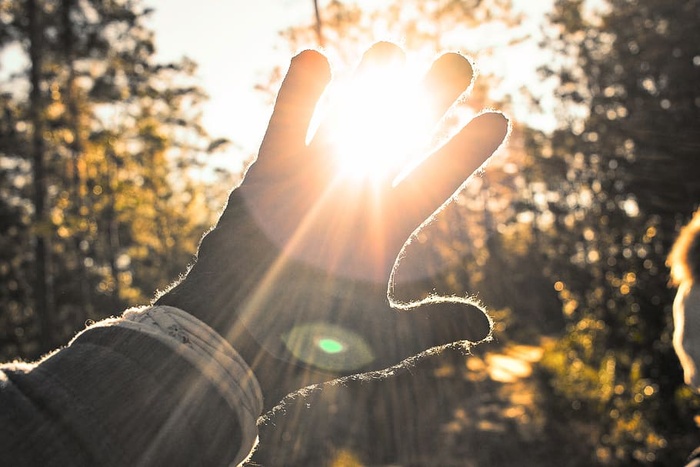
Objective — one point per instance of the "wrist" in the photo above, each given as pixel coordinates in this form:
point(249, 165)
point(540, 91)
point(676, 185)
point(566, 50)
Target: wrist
point(231, 258)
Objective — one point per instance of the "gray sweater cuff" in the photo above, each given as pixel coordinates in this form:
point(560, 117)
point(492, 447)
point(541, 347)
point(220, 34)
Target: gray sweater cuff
point(207, 351)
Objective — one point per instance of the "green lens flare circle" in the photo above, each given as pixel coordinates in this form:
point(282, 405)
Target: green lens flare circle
point(328, 347)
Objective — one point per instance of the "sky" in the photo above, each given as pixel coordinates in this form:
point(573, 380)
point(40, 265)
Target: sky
point(234, 42)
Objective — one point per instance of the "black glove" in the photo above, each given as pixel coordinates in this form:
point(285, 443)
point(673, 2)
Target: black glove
point(295, 272)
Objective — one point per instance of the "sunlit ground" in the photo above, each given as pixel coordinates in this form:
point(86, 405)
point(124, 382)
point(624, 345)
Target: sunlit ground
point(507, 367)
point(462, 411)
point(515, 364)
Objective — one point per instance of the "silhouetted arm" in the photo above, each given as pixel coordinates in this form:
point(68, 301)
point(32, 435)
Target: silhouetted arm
point(155, 387)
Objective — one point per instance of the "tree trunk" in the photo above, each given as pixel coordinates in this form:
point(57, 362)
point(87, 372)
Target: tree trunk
point(319, 26)
point(43, 287)
point(75, 147)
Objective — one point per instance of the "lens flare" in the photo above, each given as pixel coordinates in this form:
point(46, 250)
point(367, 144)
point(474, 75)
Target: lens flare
point(330, 346)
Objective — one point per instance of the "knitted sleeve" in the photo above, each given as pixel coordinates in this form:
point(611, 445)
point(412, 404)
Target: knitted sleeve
point(153, 387)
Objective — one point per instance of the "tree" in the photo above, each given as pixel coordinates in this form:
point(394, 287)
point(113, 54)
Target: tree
point(630, 168)
point(117, 145)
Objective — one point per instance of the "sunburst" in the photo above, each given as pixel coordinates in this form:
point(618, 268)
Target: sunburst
point(377, 122)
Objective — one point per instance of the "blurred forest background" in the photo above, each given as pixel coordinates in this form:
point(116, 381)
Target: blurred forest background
point(106, 189)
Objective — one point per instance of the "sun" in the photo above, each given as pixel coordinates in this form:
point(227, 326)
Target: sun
point(378, 123)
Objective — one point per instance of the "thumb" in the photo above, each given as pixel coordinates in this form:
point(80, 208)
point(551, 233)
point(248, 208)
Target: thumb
point(436, 322)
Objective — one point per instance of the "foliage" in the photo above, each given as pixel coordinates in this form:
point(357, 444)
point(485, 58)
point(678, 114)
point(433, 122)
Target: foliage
point(566, 232)
point(121, 145)
point(630, 180)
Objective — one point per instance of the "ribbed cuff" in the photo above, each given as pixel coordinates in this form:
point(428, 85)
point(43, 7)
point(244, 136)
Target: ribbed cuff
point(207, 351)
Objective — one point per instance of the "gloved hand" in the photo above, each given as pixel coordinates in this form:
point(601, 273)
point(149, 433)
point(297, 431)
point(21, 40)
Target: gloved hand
point(295, 272)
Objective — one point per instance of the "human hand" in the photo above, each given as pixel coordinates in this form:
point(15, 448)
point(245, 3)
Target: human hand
point(299, 196)
point(295, 272)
